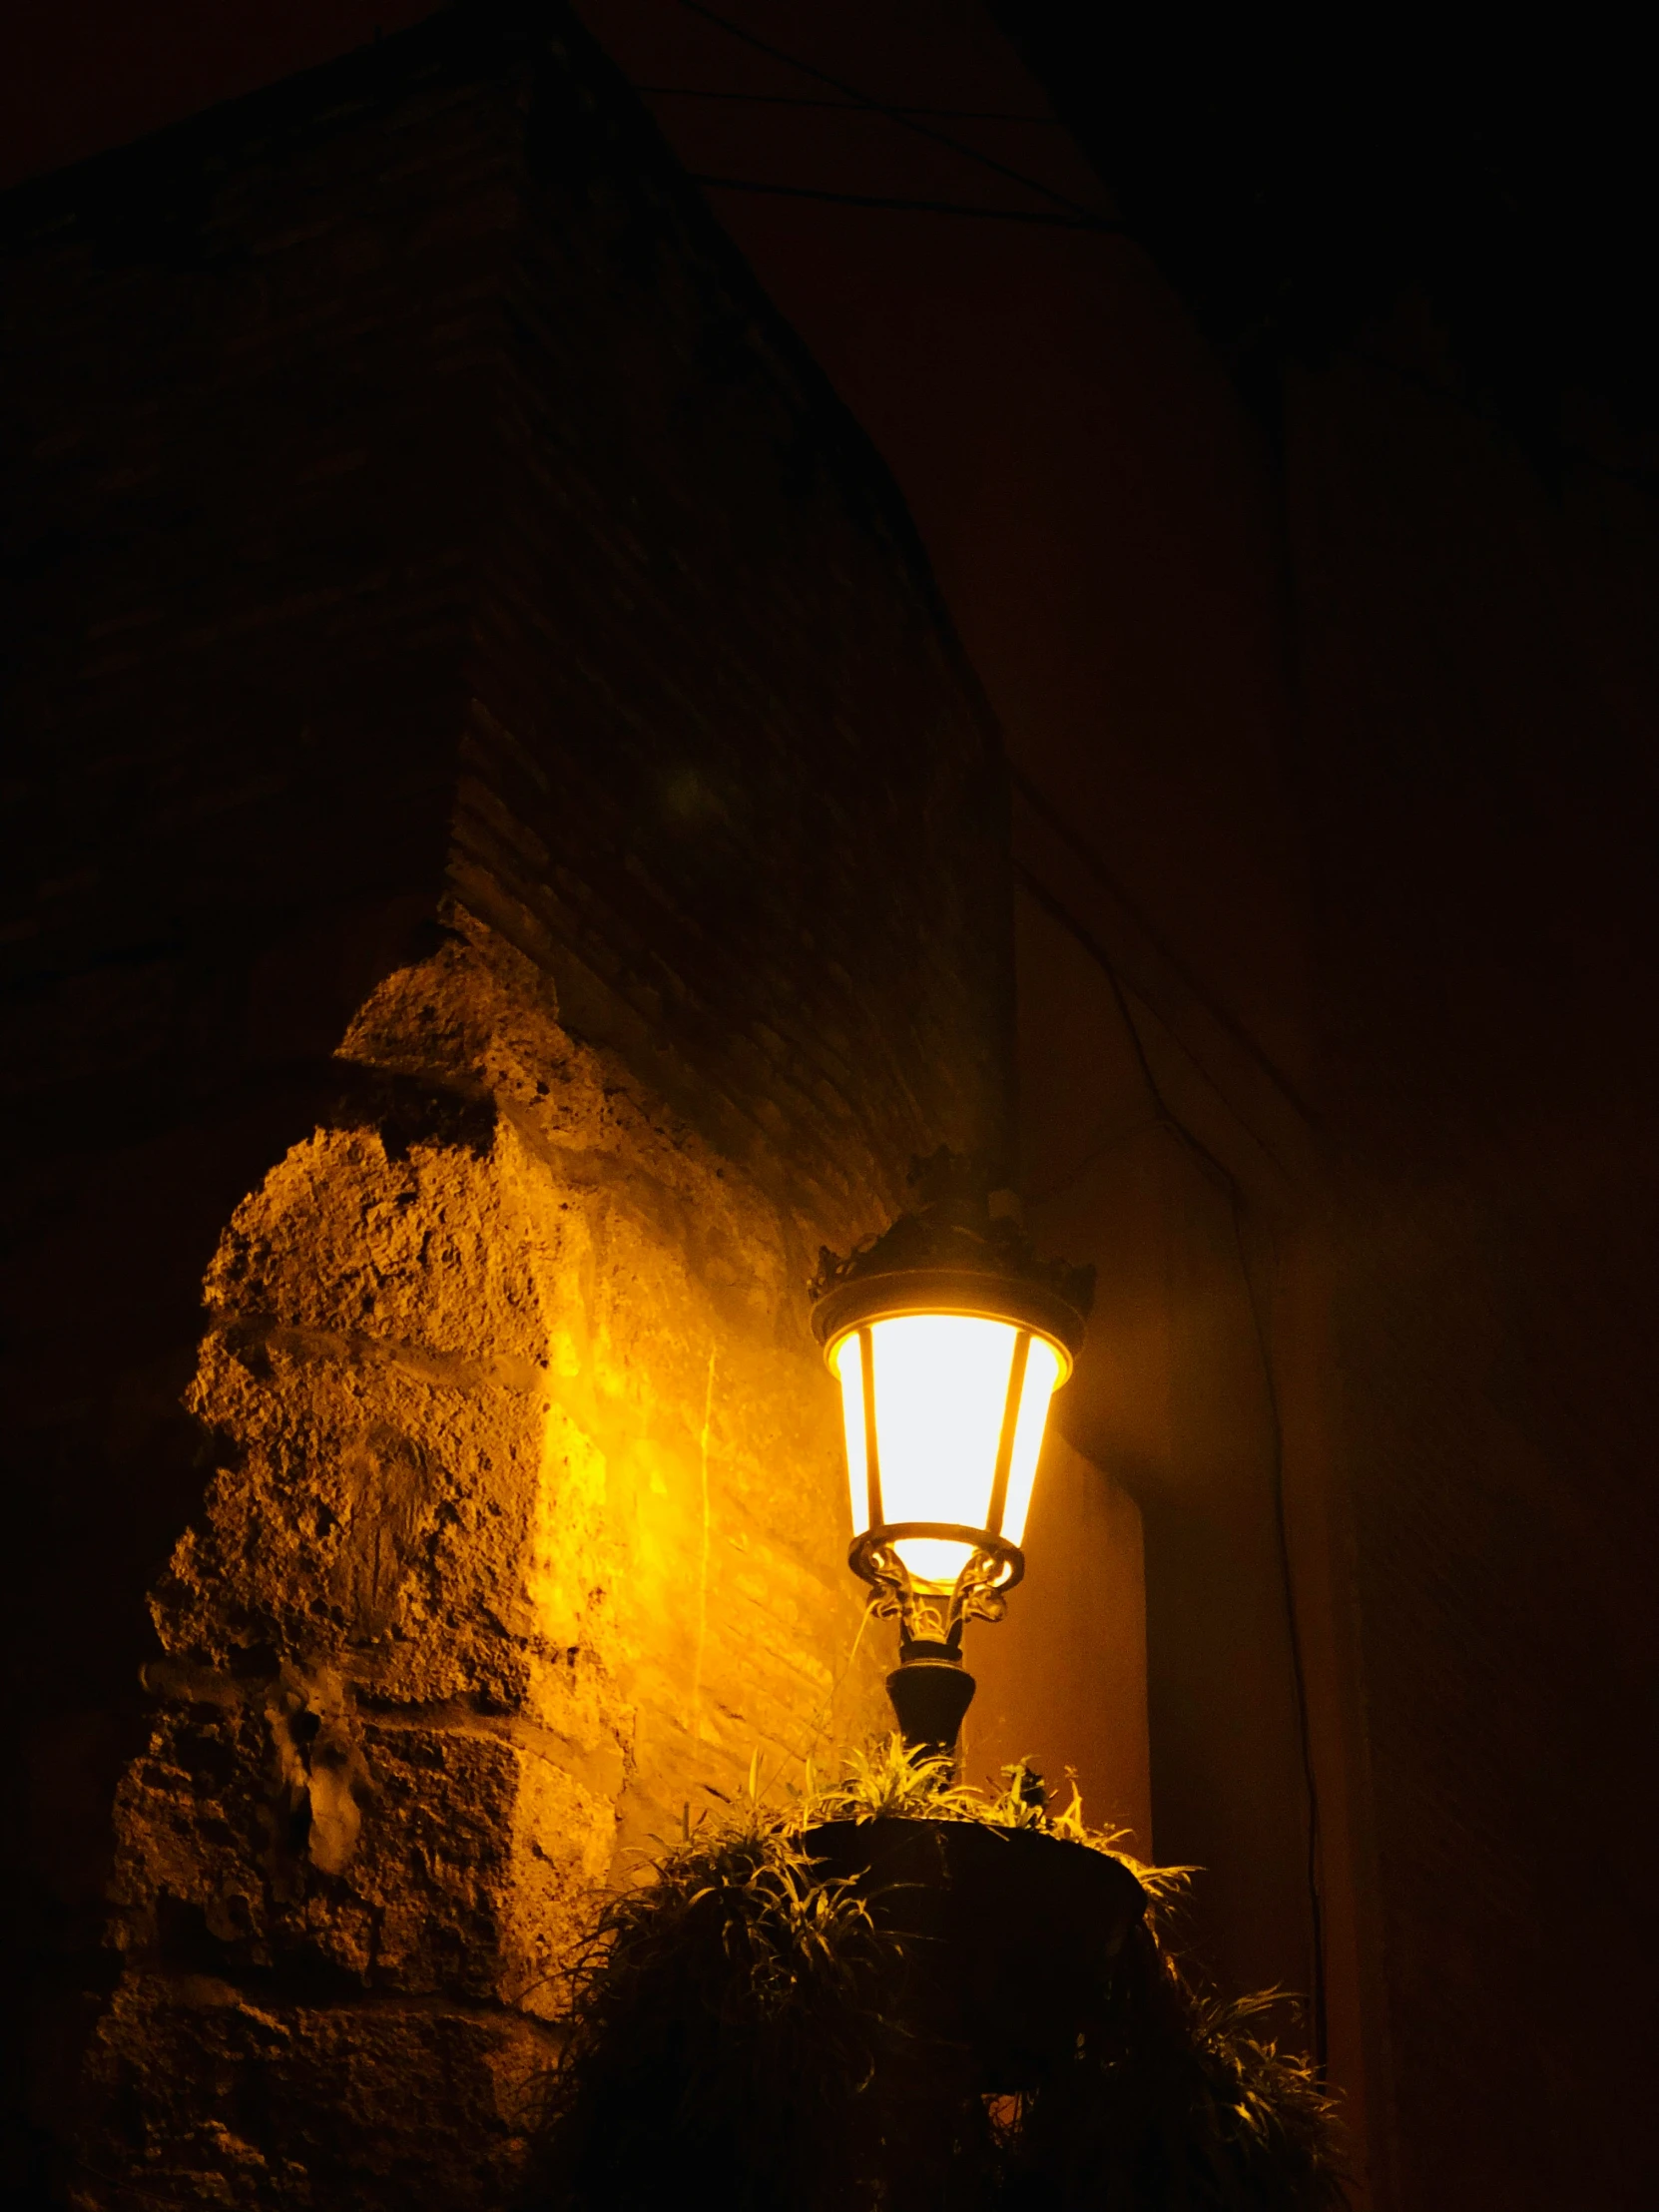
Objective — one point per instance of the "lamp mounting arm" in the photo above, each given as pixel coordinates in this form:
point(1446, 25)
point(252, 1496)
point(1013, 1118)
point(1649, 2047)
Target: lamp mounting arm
point(934, 1617)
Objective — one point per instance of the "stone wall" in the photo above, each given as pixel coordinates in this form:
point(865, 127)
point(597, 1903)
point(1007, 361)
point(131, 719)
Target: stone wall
point(522, 1533)
point(518, 863)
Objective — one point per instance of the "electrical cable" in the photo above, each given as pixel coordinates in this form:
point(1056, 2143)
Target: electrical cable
point(882, 199)
point(839, 107)
point(907, 118)
point(1048, 813)
point(901, 116)
point(1223, 1177)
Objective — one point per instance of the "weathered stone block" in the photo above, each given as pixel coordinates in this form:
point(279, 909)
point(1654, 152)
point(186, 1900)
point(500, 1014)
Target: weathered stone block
point(367, 1507)
point(271, 1835)
point(210, 2098)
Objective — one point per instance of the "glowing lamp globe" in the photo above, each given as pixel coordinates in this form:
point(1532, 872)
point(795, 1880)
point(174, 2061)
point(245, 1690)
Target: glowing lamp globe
point(945, 1384)
point(948, 1338)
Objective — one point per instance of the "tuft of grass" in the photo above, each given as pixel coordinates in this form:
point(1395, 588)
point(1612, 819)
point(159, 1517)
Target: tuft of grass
point(887, 1780)
point(724, 2020)
point(732, 2033)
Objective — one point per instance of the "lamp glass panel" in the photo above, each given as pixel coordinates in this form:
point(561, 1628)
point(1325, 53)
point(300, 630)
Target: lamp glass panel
point(850, 1367)
point(941, 1384)
point(1043, 1372)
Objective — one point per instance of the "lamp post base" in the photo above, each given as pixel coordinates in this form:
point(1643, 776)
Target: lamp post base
point(930, 1691)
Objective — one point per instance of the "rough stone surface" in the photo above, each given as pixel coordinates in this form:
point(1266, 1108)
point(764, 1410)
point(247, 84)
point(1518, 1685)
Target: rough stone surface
point(519, 866)
point(218, 2099)
point(495, 1575)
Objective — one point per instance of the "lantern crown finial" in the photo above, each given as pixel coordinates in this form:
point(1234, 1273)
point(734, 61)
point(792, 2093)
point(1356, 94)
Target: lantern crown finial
point(959, 1223)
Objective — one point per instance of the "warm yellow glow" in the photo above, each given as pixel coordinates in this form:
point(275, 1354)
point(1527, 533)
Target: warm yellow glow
point(850, 1367)
point(1043, 1372)
point(942, 1387)
point(941, 1380)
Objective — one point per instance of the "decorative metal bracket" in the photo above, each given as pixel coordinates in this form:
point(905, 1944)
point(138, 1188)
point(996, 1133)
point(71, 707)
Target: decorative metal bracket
point(930, 1618)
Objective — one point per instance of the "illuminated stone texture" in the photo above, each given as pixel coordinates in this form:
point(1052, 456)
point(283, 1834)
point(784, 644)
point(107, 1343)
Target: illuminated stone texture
point(540, 865)
point(524, 1527)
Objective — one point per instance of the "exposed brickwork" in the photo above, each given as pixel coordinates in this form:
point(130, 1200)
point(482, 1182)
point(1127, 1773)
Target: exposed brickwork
point(519, 866)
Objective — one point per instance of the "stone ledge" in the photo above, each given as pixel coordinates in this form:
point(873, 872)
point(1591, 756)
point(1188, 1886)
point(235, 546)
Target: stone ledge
point(255, 1331)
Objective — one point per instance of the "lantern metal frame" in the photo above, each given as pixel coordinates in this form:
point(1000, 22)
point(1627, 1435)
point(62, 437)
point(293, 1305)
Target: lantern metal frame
point(931, 1688)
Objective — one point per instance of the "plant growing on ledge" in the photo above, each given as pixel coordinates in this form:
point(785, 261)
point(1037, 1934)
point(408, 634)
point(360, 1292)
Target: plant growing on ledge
point(851, 2006)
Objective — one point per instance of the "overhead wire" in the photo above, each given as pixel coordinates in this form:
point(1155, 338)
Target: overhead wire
point(884, 200)
point(850, 106)
point(903, 116)
point(1217, 1172)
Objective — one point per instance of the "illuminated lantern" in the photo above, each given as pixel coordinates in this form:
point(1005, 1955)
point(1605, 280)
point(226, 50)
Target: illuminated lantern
point(949, 1336)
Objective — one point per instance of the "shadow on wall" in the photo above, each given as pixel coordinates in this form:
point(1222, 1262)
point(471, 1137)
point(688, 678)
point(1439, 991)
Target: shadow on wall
point(1062, 1679)
point(1173, 1400)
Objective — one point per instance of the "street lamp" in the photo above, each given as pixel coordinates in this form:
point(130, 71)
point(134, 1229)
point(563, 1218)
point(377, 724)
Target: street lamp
point(949, 1336)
